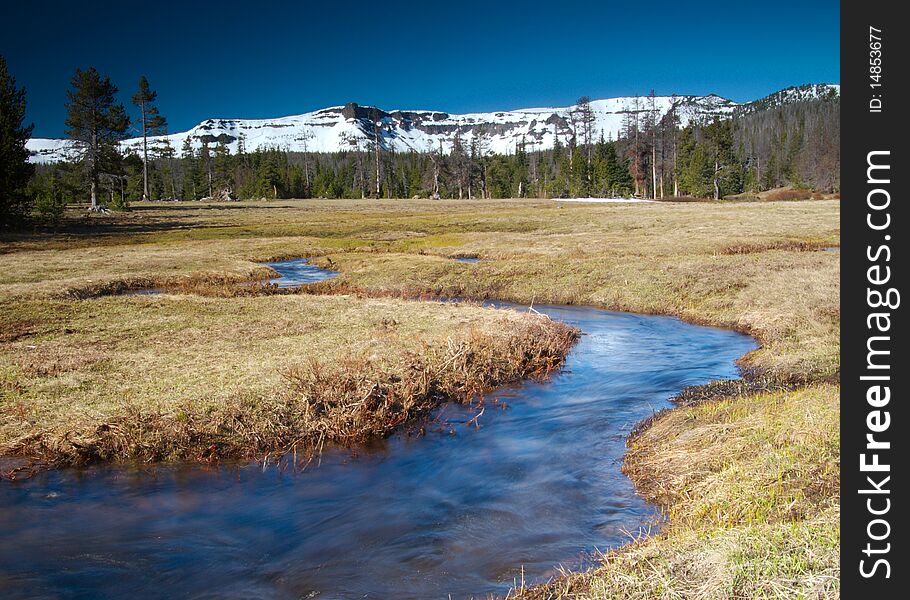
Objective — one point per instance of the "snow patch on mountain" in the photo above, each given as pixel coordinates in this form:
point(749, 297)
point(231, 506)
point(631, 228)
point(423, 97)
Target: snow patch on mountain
point(352, 127)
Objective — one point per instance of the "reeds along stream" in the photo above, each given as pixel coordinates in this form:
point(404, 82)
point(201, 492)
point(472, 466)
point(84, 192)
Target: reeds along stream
point(467, 508)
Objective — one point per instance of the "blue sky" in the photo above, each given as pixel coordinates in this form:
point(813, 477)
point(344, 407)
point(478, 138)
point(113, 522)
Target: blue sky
point(269, 59)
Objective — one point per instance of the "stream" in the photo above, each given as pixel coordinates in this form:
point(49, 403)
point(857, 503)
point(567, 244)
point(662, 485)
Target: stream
point(462, 510)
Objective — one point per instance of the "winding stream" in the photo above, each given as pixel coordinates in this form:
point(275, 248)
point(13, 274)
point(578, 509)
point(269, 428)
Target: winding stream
point(461, 510)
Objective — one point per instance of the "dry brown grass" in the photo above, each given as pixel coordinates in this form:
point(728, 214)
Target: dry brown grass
point(786, 194)
point(651, 258)
point(789, 245)
point(200, 378)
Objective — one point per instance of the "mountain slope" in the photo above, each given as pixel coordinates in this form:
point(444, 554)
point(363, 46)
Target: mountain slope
point(351, 126)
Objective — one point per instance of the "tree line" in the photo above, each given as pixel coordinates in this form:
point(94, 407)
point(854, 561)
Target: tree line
point(212, 171)
point(765, 147)
point(761, 146)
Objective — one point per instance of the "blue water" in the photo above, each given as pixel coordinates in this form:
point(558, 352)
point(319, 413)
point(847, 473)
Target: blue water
point(460, 510)
point(298, 271)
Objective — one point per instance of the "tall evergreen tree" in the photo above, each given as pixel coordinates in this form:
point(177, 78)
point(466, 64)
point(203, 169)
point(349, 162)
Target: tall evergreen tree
point(587, 120)
point(223, 178)
point(206, 162)
point(152, 124)
point(15, 169)
point(166, 154)
point(189, 170)
point(460, 165)
point(96, 122)
point(727, 169)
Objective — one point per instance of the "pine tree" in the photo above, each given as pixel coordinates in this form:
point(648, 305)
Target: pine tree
point(600, 169)
point(460, 165)
point(131, 175)
point(152, 124)
point(166, 155)
point(520, 173)
point(96, 123)
point(694, 167)
point(224, 186)
point(435, 171)
point(15, 170)
point(480, 147)
point(621, 182)
point(50, 198)
point(587, 119)
point(205, 160)
point(727, 170)
point(189, 170)
point(269, 173)
point(241, 144)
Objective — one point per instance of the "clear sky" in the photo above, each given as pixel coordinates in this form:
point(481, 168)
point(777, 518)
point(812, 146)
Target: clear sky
point(269, 59)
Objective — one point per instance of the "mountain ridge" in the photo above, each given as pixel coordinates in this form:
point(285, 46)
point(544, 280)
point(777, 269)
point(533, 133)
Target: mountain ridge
point(352, 126)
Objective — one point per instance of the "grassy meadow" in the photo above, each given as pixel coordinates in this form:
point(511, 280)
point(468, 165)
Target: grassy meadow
point(747, 473)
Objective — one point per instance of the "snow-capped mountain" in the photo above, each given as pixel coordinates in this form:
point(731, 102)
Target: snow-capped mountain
point(791, 95)
point(352, 126)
